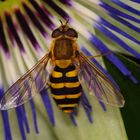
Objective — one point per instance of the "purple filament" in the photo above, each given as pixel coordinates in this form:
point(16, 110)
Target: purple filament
point(48, 105)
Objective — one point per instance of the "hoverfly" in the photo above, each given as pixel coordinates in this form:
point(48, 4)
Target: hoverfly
point(68, 64)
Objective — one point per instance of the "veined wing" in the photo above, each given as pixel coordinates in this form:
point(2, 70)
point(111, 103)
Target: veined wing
point(99, 84)
point(27, 86)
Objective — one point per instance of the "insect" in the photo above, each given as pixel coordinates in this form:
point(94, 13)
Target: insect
point(70, 68)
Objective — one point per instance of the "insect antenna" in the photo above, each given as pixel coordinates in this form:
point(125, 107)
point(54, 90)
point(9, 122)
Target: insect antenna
point(66, 22)
point(61, 22)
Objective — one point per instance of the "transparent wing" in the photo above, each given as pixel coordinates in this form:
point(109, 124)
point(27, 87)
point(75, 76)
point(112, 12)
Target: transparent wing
point(99, 84)
point(27, 86)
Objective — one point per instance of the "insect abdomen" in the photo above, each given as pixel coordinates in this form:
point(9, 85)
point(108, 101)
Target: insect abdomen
point(65, 88)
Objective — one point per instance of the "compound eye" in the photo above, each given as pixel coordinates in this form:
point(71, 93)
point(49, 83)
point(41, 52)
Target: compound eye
point(56, 33)
point(71, 33)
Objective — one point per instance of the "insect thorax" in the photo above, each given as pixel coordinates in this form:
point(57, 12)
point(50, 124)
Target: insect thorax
point(63, 49)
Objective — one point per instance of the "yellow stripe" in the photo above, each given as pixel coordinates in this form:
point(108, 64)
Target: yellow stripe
point(74, 96)
point(67, 105)
point(68, 85)
point(63, 63)
point(66, 96)
point(58, 85)
point(72, 73)
point(67, 111)
point(56, 74)
point(58, 96)
point(72, 85)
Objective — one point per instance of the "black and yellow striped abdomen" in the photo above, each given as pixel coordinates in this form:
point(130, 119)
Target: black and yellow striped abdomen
point(65, 87)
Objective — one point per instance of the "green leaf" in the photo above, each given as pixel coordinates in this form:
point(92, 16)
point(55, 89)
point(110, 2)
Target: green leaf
point(131, 92)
